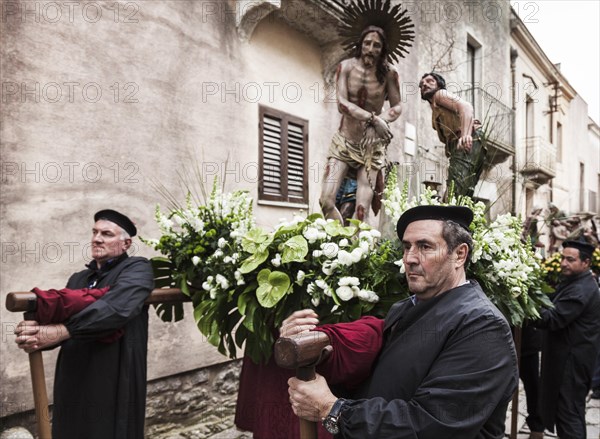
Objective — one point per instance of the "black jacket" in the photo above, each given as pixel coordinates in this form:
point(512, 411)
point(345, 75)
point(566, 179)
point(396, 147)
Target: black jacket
point(571, 339)
point(99, 387)
point(447, 370)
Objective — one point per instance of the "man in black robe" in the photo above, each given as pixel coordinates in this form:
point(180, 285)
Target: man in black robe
point(447, 367)
point(100, 380)
point(570, 343)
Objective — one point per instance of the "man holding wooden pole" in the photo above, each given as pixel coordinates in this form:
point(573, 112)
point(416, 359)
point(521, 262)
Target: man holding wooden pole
point(100, 381)
point(447, 366)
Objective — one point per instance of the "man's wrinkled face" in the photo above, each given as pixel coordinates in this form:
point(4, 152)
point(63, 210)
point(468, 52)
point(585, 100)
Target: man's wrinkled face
point(371, 49)
point(107, 241)
point(428, 265)
point(428, 86)
point(571, 263)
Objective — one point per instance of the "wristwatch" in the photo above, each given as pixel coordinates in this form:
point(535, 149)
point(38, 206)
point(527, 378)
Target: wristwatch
point(331, 420)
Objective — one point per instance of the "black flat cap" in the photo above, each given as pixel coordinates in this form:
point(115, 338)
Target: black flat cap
point(459, 214)
point(117, 218)
point(585, 249)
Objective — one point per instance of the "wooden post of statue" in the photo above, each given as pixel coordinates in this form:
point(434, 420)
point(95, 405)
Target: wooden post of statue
point(27, 302)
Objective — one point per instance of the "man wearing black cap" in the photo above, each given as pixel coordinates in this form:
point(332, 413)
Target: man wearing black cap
point(453, 120)
point(447, 366)
point(100, 380)
point(570, 343)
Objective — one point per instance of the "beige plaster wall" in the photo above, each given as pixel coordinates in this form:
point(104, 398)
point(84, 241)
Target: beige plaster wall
point(97, 106)
point(578, 147)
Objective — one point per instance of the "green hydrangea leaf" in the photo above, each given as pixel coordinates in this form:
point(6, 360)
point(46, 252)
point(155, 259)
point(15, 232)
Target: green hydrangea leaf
point(252, 262)
point(256, 240)
point(290, 229)
point(272, 286)
point(295, 249)
point(334, 228)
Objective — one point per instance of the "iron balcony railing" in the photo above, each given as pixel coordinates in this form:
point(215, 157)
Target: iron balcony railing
point(497, 120)
point(540, 156)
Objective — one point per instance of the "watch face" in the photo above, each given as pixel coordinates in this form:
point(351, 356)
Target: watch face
point(331, 425)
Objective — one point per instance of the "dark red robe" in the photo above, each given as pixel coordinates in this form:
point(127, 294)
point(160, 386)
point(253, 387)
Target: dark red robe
point(263, 406)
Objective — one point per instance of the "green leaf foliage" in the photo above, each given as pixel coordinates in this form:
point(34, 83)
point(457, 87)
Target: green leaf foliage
point(295, 249)
point(272, 285)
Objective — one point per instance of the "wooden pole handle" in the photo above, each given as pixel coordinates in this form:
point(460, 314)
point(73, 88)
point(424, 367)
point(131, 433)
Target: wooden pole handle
point(26, 301)
point(40, 396)
point(303, 352)
point(308, 429)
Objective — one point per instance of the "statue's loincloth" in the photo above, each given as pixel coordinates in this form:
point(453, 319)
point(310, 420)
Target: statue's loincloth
point(355, 154)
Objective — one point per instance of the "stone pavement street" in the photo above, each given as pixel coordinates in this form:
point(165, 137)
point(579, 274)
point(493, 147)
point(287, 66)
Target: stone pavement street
point(592, 418)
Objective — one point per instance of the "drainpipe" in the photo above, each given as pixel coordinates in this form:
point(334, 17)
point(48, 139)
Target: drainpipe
point(513, 61)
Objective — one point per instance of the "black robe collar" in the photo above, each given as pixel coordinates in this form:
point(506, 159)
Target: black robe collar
point(97, 273)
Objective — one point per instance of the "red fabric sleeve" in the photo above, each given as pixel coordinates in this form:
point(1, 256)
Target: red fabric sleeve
point(355, 349)
point(56, 306)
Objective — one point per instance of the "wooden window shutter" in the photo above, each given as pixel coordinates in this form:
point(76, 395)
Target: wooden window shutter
point(283, 144)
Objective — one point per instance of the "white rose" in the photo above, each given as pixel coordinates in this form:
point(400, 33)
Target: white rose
point(345, 293)
point(195, 260)
point(327, 268)
point(357, 254)
point(321, 284)
point(365, 234)
point(221, 242)
point(363, 295)
point(349, 281)
point(373, 297)
point(344, 257)
point(344, 242)
point(311, 234)
point(320, 222)
point(330, 249)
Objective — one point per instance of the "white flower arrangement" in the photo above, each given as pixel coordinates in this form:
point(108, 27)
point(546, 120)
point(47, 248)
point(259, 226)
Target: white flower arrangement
point(244, 280)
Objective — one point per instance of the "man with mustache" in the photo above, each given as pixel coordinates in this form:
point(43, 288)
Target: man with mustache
point(452, 118)
point(447, 366)
point(100, 379)
point(364, 83)
point(570, 343)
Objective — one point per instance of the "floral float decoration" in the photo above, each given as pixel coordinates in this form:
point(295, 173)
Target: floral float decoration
point(244, 280)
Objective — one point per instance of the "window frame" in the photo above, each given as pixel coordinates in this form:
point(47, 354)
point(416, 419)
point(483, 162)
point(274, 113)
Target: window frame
point(285, 120)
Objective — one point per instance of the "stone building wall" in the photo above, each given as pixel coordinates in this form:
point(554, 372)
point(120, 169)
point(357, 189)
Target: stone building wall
point(196, 404)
